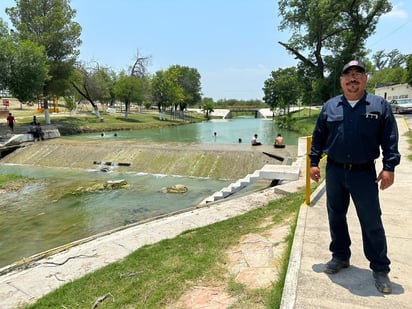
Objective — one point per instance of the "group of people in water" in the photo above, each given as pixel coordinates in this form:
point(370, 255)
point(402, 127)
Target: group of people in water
point(278, 143)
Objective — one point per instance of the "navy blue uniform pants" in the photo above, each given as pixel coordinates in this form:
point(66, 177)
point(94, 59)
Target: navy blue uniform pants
point(341, 184)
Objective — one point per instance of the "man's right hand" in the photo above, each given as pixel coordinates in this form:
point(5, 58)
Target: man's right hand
point(315, 173)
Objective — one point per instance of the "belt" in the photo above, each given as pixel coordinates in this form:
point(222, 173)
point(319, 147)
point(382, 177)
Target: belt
point(352, 166)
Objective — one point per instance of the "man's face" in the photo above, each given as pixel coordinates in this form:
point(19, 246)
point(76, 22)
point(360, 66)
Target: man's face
point(353, 83)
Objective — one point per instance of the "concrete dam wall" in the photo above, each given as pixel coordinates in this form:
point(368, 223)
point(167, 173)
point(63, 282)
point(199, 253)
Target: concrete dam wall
point(214, 161)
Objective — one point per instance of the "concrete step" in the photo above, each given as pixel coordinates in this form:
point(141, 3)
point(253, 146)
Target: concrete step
point(269, 172)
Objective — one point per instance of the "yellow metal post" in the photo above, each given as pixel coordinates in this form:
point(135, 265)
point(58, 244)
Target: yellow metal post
point(308, 146)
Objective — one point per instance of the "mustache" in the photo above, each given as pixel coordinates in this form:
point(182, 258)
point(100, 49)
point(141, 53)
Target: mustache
point(354, 82)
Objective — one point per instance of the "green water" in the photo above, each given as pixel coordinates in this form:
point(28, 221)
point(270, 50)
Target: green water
point(46, 214)
point(228, 131)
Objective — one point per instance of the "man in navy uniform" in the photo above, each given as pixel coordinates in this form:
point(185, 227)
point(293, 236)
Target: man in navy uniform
point(352, 129)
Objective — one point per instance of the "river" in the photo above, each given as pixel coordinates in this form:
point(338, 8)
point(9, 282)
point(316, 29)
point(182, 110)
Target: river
point(49, 213)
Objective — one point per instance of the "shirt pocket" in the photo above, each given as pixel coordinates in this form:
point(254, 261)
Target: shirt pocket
point(369, 125)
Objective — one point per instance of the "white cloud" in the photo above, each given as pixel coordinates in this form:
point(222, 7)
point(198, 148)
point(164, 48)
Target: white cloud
point(398, 11)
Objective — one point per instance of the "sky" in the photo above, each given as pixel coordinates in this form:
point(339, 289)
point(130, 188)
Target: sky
point(232, 43)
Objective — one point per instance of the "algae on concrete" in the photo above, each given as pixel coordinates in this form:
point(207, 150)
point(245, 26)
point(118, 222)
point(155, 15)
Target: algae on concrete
point(230, 162)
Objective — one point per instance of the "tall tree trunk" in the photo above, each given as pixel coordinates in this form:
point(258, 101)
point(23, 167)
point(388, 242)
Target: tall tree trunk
point(46, 110)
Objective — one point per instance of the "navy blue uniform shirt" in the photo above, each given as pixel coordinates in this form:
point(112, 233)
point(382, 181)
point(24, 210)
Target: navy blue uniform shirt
point(355, 135)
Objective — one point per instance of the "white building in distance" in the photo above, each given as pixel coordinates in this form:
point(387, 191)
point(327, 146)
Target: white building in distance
point(392, 91)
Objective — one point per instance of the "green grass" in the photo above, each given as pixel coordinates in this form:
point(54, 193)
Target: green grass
point(304, 121)
point(87, 122)
point(409, 135)
point(6, 179)
point(157, 275)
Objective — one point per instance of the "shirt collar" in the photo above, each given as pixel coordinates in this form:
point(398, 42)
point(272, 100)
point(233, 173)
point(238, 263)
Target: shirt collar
point(362, 100)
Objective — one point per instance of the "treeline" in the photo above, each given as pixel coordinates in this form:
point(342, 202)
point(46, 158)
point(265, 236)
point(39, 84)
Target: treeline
point(39, 61)
point(324, 36)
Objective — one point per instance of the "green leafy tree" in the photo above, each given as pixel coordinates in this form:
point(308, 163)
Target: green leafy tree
point(326, 34)
point(388, 75)
point(188, 80)
point(388, 68)
point(49, 23)
point(409, 70)
point(165, 91)
point(178, 86)
point(208, 106)
point(6, 47)
point(282, 89)
point(130, 89)
point(29, 71)
point(70, 103)
point(23, 67)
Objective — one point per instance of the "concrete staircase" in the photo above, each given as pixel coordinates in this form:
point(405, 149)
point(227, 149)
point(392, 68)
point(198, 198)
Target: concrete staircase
point(291, 176)
point(268, 172)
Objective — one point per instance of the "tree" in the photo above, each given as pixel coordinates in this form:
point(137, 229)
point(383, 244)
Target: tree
point(5, 54)
point(207, 106)
point(395, 75)
point(94, 83)
point(282, 89)
point(326, 34)
point(388, 68)
point(130, 89)
point(49, 23)
point(177, 86)
point(139, 68)
point(29, 71)
point(409, 70)
point(392, 59)
point(165, 91)
point(188, 80)
point(23, 68)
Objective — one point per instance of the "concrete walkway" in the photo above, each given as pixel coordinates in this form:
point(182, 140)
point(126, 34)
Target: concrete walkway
point(308, 287)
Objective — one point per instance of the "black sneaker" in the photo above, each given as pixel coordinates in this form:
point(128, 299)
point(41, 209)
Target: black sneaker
point(382, 282)
point(335, 265)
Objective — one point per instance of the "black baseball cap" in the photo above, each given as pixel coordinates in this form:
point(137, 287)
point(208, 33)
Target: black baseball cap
point(354, 63)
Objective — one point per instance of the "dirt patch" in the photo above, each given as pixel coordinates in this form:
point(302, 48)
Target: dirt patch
point(254, 263)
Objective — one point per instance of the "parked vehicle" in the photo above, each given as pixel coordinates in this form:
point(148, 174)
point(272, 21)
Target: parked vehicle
point(401, 106)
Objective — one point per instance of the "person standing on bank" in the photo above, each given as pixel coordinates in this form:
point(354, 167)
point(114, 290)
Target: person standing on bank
point(11, 121)
point(351, 129)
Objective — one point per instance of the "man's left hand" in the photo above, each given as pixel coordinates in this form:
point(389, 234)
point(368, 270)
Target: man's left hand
point(386, 179)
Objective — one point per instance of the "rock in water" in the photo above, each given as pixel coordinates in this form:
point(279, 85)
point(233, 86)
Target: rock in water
point(115, 184)
point(176, 189)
